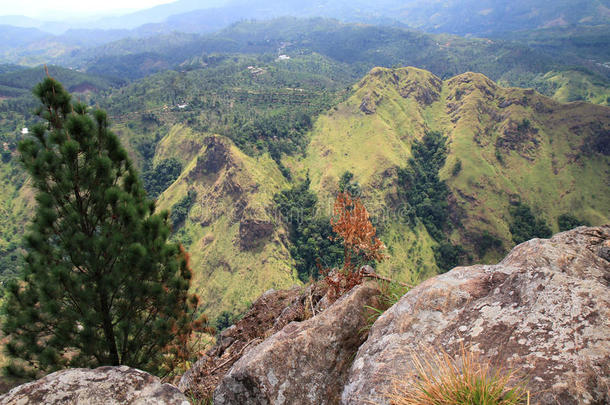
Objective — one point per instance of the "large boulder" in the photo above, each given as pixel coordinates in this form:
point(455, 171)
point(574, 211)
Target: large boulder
point(101, 386)
point(305, 362)
point(545, 309)
point(269, 314)
point(201, 380)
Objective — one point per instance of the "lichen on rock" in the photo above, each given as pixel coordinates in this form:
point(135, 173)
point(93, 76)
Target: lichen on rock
point(543, 310)
point(100, 386)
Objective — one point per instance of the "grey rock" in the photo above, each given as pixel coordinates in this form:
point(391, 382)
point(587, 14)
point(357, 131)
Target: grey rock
point(305, 362)
point(103, 385)
point(545, 309)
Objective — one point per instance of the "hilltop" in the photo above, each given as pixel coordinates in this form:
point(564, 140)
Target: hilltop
point(237, 248)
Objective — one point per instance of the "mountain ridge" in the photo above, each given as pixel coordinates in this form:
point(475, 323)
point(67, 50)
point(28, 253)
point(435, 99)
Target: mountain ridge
point(513, 146)
point(543, 167)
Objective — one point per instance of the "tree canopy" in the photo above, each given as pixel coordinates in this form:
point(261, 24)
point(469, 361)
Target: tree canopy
point(101, 284)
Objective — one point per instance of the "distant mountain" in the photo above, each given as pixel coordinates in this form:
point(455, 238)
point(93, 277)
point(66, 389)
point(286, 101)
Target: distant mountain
point(16, 37)
point(493, 17)
point(20, 21)
point(21, 80)
point(8, 68)
point(157, 14)
point(461, 17)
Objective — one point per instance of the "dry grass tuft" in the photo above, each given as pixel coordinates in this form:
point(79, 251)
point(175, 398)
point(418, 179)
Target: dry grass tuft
point(440, 379)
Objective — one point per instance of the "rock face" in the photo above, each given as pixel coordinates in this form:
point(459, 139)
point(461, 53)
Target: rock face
point(201, 380)
point(252, 231)
point(215, 157)
point(101, 386)
point(545, 309)
point(305, 362)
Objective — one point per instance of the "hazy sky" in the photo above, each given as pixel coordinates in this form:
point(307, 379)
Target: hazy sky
point(54, 8)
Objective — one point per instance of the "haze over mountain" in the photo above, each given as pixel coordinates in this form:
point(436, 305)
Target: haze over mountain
point(455, 16)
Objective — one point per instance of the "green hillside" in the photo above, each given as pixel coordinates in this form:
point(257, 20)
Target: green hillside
point(500, 149)
point(556, 164)
point(551, 165)
point(20, 82)
point(576, 85)
point(237, 245)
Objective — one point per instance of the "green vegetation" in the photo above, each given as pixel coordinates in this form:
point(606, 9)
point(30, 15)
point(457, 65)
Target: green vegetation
point(20, 82)
point(161, 176)
point(261, 104)
point(457, 168)
point(100, 285)
point(422, 188)
point(568, 221)
point(448, 256)
point(390, 293)
point(224, 320)
point(486, 242)
point(310, 234)
point(13, 210)
point(525, 226)
point(180, 210)
point(421, 185)
point(347, 184)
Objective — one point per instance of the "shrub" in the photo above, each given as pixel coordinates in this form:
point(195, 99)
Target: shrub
point(457, 168)
point(224, 320)
point(569, 221)
point(448, 256)
point(181, 209)
point(485, 242)
point(161, 176)
point(525, 226)
point(390, 293)
point(361, 246)
point(6, 156)
point(440, 379)
point(346, 184)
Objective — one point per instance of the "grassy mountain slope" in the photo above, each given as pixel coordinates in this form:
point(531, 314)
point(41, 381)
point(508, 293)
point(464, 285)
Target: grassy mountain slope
point(551, 164)
point(16, 204)
point(238, 249)
point(575, 85)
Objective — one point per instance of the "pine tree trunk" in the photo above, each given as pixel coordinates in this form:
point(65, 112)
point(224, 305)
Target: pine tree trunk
point(109, 331)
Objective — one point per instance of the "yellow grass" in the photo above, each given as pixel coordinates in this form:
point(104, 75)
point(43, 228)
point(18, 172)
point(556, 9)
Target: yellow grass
point(441, 379)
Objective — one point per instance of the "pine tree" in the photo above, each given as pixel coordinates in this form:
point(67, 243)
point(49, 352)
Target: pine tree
point(101, 284)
